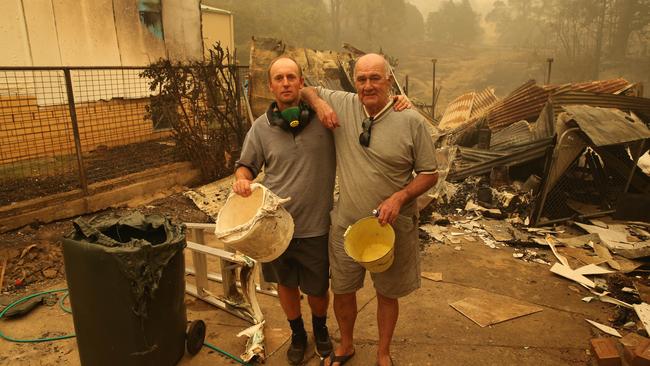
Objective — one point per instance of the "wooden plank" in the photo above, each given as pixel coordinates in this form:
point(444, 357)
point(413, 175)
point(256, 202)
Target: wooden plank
point(98, 200)
point(491, 308)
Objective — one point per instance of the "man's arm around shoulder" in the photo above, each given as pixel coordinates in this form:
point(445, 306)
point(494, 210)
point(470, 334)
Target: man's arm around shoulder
point(325, 113)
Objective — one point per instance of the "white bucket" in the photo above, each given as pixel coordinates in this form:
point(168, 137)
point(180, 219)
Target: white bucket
point(257, 225)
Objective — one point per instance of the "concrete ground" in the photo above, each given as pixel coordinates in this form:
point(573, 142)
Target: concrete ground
point(429, 331)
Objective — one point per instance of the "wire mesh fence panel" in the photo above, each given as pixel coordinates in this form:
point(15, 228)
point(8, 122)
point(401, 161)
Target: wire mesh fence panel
point(37, 153)
point(116, 137)
point(65, 128)
point(589, 186)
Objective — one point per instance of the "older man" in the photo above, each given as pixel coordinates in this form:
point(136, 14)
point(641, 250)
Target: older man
point(297, 154)
point(377, 152)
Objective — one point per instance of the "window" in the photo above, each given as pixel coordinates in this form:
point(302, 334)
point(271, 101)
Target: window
point(151, 16)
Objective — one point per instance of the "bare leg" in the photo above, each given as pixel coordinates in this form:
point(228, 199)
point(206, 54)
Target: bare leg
point(345, 309)
point(387, 314)
point(290, 301)
point(319, 304)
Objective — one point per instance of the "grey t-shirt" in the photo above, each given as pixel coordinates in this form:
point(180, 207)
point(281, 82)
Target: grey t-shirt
point(301, 167)
point(400, 144)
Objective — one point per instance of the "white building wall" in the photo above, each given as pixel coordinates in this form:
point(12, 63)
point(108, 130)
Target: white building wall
point(14, 42)
point(43, 39)
point(217, 25)
point(182, 25)
point(86, 32)
point(95, 33)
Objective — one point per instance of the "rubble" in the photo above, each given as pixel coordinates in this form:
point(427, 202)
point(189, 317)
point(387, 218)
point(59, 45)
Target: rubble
point(605, 328)
point(580, 140)
point(556, 154)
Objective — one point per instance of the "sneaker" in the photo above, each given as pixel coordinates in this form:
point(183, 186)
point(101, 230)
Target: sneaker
point(323, 342)
point(296, 351)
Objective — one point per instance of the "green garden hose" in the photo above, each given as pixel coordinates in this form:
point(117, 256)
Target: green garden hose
point(36, 340)
point(67, 310)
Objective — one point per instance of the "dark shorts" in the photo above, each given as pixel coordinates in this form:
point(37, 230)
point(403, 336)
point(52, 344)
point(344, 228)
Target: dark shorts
point(304, 264)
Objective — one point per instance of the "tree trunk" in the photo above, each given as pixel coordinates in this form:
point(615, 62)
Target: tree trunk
point(335, 8)
point(599, 41)
point(625, 12)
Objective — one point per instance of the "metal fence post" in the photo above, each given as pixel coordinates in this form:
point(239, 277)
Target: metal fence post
point(75, 130)
point(549, 61)
point(433, 91)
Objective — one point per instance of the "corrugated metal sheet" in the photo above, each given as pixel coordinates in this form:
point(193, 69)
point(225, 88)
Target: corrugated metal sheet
point(516, 134)
point(527, 102)
point(611, 86)
point(545, 124)
point(515, 156)
point(458, 111)
point(622, 102)
point(466, 107)
point(468, 154)
point(482, 101)
point(607, 126)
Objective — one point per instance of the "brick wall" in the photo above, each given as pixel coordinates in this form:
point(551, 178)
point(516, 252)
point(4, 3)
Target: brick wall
point(30, 131)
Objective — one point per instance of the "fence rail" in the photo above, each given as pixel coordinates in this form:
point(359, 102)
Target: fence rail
point(63, 128)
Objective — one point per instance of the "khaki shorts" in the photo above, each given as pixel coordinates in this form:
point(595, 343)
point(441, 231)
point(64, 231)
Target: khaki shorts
point(402, 278)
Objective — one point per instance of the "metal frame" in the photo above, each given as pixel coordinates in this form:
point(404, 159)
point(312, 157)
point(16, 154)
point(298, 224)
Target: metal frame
point(237, 278)
point(539, 209)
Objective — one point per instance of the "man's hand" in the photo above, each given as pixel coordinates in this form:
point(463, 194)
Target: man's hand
point(401, 103)
point(389, 209)
point(242, 187)
point(326, 115)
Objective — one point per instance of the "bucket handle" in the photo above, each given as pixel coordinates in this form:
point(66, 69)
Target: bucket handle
point(347, 231)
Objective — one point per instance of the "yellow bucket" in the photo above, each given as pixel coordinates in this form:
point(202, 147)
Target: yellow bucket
point(370, 244)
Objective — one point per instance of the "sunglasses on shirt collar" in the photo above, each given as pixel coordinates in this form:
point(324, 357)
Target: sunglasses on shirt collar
point(366, 126)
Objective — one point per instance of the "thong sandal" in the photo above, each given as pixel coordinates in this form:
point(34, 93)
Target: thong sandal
point(341, 360)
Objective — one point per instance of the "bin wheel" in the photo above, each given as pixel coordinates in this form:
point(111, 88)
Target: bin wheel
point(195, 337)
